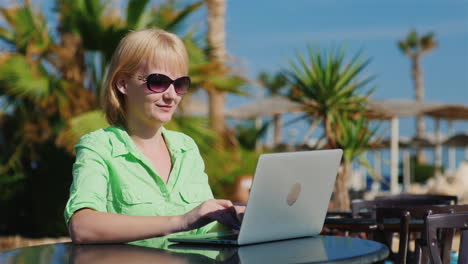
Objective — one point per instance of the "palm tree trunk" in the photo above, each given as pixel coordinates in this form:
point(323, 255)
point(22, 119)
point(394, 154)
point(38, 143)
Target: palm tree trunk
point(329, 133)
point(277, 128)
point(216, 111)
point(217, 53)
point(419, 90)
point(340, 193)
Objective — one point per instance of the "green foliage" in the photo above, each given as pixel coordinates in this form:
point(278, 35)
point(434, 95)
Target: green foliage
point(29, 34)
point(332, 89)
point(422, 172)
point(274, 83)
point(135, 12)
point(51, 86)
point(330, 86)
point(224, 166)
point(19, 78)
point(355, 136)
point(197, 128)
point(414, 45)
point(248, 135)
point(229, 84)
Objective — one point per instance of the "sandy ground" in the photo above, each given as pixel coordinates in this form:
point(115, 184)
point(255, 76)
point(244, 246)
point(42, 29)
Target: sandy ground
point(455, 243)
point(12, 242)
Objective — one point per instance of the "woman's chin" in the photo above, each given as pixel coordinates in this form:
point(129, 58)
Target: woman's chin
point(163, 118)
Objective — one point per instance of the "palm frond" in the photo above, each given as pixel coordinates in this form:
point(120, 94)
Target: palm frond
point(182, 15)
point(135, 11)
point(79, 126)
point(18, 77)
point(197, 127)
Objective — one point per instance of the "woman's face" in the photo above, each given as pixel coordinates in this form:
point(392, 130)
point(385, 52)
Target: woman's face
point(143, 105)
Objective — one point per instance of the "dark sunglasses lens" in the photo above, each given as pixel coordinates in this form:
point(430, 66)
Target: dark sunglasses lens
point(182, 85)
point(158, 83)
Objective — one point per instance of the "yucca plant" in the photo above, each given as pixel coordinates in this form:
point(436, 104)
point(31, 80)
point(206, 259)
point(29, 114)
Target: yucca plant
point(331, 87)
point(354, 137)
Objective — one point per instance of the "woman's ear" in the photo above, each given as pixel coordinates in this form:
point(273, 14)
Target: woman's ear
point(122, 86)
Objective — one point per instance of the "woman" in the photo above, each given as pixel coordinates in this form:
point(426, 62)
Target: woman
point(136, 180)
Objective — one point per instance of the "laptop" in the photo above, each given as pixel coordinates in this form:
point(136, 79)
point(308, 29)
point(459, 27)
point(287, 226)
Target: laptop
point(301, 250)
point(288, 199)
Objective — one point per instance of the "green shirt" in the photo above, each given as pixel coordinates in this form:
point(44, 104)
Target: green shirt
point(111, 175)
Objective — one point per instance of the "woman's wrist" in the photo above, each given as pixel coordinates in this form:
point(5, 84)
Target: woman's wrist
point(178, 223)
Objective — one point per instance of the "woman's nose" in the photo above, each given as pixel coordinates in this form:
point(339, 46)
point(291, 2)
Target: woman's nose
point(170, 93)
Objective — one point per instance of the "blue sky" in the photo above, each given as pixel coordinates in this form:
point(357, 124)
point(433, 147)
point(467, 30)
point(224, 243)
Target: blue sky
point(262, 35)
point(265, 33)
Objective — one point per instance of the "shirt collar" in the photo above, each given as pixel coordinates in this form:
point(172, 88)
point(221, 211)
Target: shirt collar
point(122, 143)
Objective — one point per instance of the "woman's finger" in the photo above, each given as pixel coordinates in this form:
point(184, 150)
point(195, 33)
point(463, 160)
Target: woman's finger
point(224, 203)
point(228, 218)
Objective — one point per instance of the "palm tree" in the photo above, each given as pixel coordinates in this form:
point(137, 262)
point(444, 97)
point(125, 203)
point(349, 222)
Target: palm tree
point(49, 88)
point(275, 85)
point(414, 47)
point(102, 31)
point(331, 89)
point(217, 54)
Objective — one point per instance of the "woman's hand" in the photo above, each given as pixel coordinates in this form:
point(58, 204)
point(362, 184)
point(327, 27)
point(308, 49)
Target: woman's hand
point(223, 211)
point(240, 211)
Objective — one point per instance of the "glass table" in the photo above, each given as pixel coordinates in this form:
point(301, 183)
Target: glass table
point(320, 249)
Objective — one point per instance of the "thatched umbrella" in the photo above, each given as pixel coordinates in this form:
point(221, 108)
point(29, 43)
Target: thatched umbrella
point(390, 110)
point(265, 107)
point(271, 106)
point(459, 140)
point(191, 106)
point(450, 112)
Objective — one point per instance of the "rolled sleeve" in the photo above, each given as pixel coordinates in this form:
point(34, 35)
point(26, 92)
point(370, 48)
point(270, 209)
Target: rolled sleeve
point(90, 181)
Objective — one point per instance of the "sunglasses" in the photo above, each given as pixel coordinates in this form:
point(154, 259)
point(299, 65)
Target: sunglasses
point(159, 83)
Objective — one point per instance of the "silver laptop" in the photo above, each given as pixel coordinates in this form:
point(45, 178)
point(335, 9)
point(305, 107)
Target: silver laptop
point(288, 199)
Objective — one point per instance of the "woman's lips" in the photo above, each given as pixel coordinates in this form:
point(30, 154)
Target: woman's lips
point(165, 107)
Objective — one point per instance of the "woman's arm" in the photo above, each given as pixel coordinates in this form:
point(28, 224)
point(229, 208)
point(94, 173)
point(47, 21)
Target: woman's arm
point(88, 226)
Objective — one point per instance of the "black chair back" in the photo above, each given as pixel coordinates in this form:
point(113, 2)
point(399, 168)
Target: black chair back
point(406, 213)
point(439, 249)
point(410, 196)
point(369, 206)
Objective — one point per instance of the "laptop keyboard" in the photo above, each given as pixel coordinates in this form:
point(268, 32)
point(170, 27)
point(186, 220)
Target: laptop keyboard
point(226, 236)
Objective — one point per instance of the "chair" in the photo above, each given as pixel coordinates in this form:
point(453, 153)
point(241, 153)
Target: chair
point(410, 196)
point(411, 221)
point(369, 206)
point(440, 248)
point(366, 209)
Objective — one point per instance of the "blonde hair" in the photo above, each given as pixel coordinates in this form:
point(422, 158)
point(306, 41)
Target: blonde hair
point(152, 47)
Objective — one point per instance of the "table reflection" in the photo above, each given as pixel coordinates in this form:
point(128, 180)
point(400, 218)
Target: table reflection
point(116, 254)
point(304, 250)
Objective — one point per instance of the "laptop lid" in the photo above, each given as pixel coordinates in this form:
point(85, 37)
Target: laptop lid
point(289, 195)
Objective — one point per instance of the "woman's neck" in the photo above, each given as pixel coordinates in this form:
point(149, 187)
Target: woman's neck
point(145, 137)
